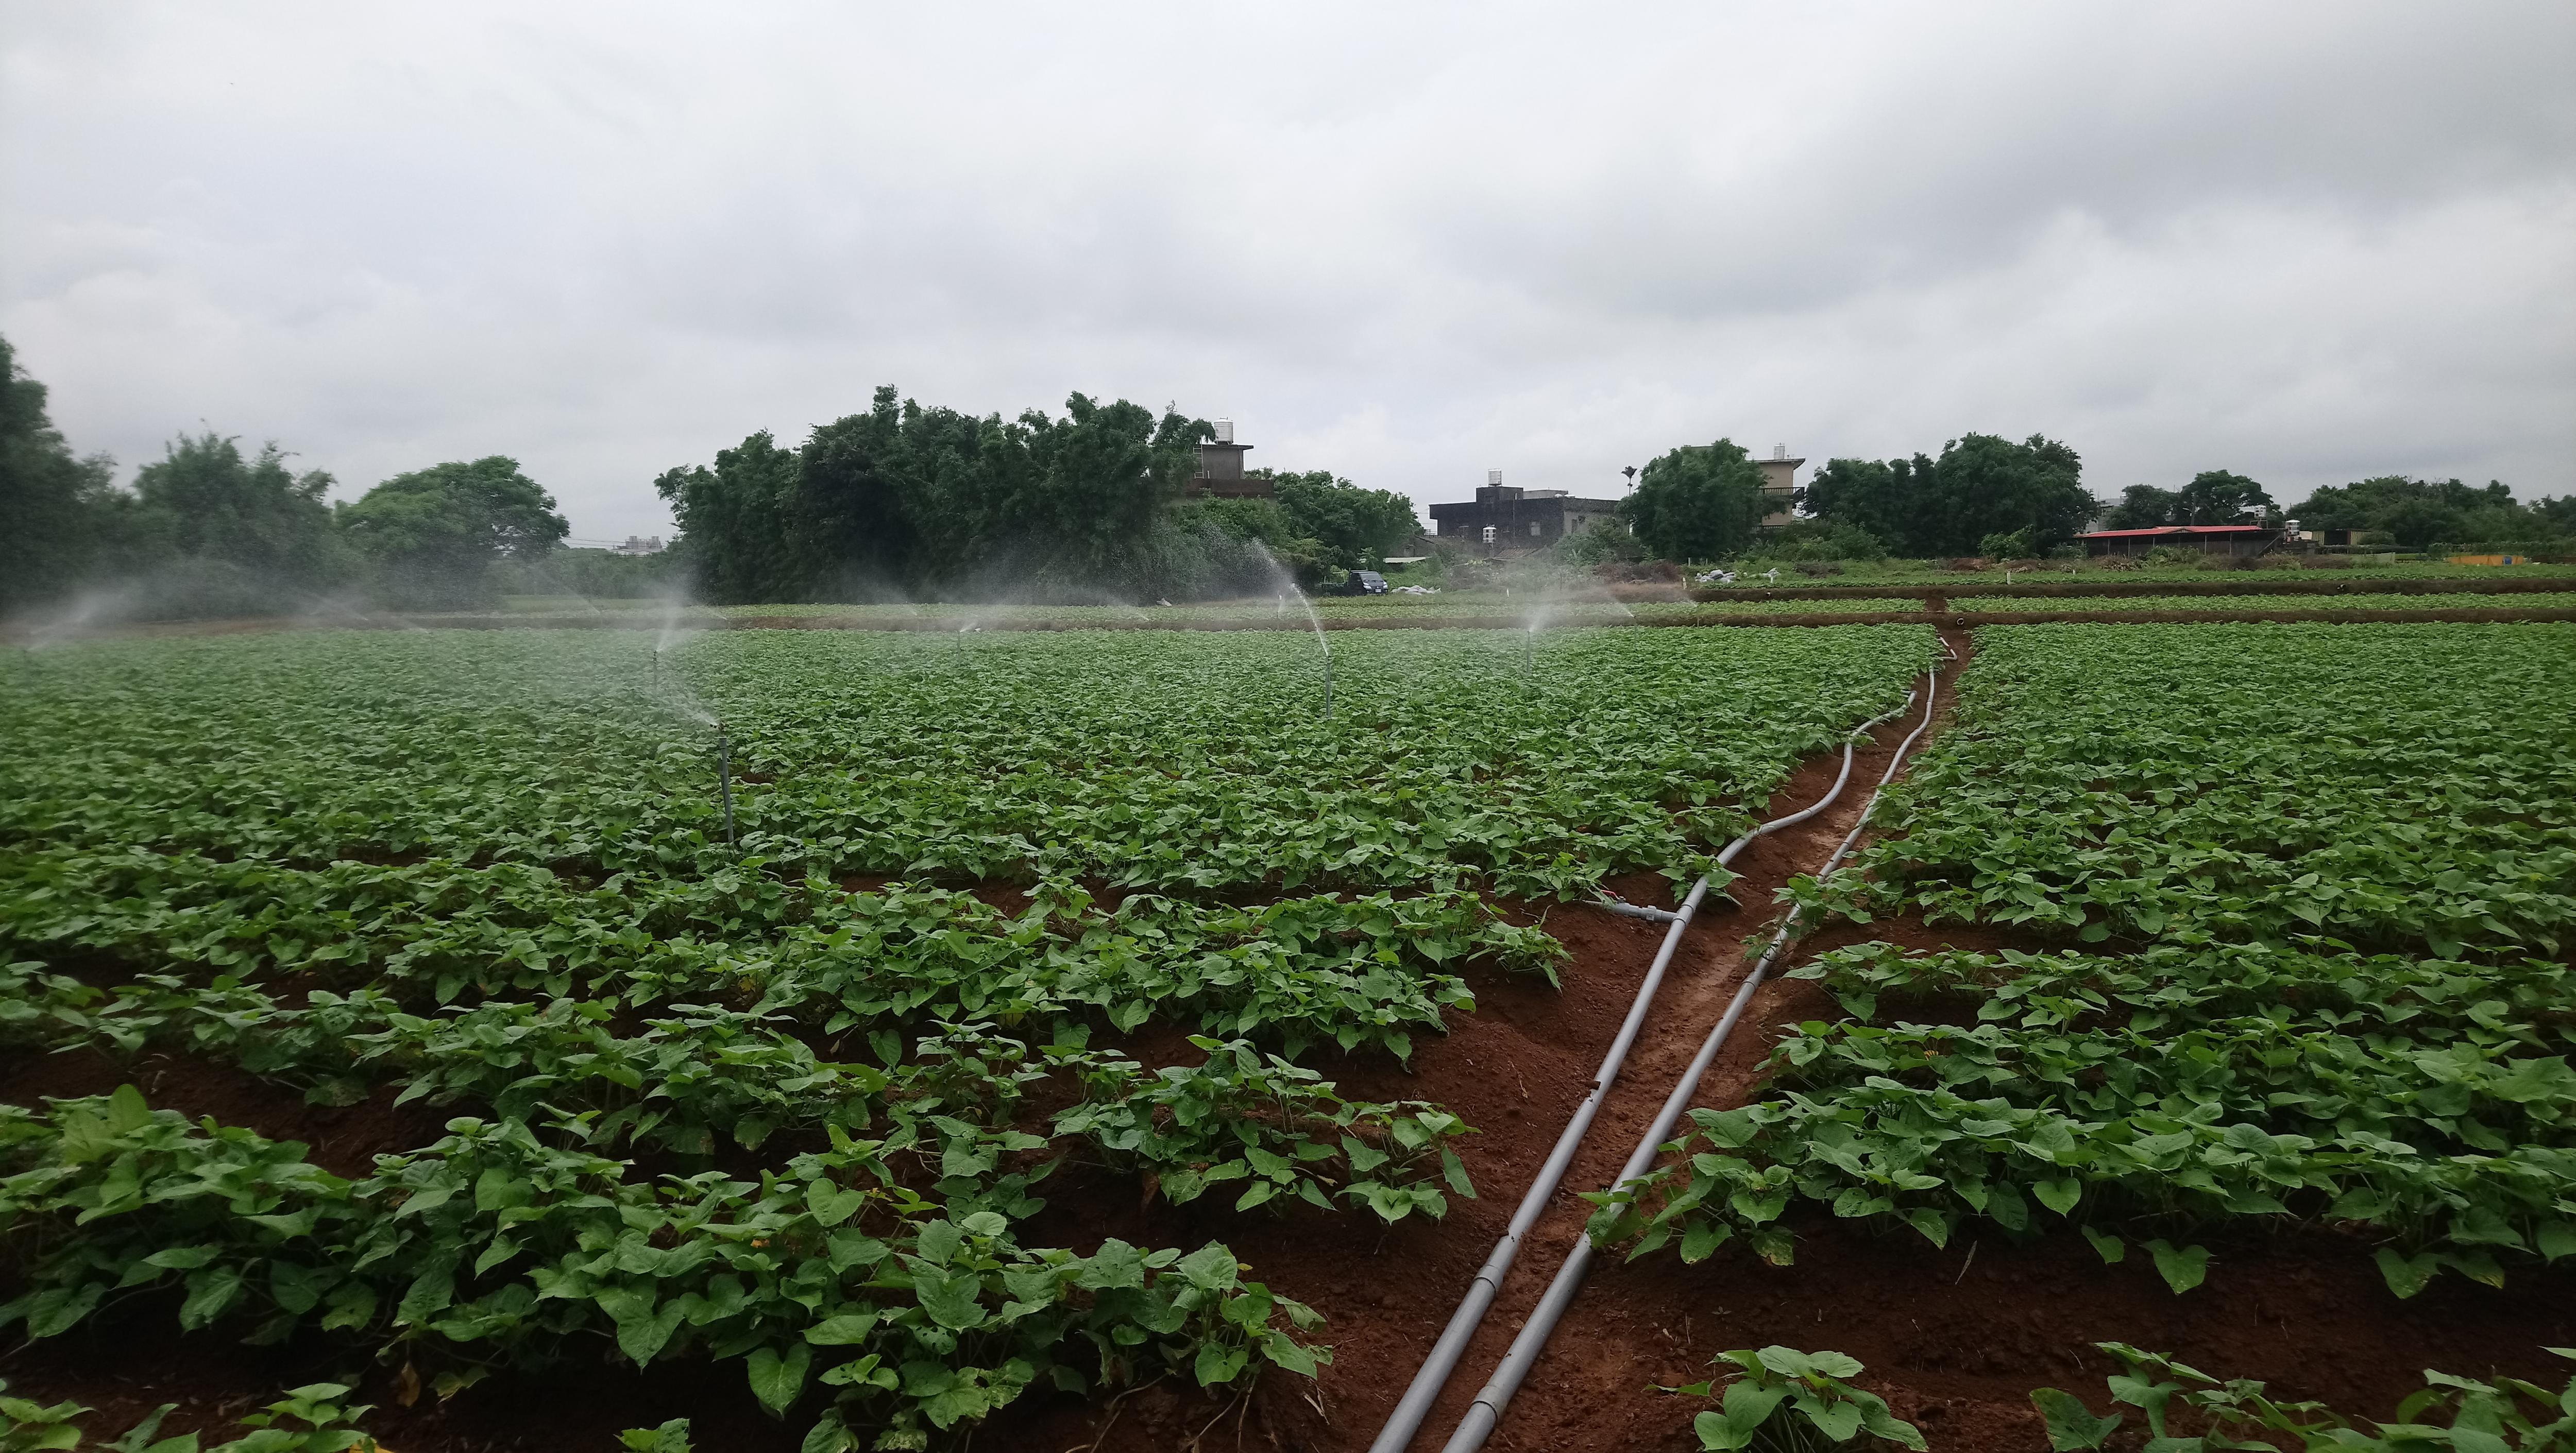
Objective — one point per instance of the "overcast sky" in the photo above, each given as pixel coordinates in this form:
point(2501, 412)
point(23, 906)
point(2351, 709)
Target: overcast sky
point(2307, 242)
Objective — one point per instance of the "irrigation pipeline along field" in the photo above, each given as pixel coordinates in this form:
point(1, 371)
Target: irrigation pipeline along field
point(1084, 1041)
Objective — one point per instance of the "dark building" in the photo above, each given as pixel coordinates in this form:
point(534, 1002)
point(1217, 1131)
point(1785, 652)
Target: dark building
point(1521, 519)
point(1221, 468)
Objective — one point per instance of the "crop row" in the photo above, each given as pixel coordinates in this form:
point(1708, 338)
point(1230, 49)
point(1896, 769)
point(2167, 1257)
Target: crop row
point(494, 1248)
point(2326, 892)
point(708, 1075)
point(1356, 971)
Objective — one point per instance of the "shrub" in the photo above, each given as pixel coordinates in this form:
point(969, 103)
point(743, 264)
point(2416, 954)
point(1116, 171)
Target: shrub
point(1816, 540)
point(2007, 545)
point(1591, 547)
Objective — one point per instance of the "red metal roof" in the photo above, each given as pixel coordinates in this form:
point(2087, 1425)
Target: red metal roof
point(2175, 530)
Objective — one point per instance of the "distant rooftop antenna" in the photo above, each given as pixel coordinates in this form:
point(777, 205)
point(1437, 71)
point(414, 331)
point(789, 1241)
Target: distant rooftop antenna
point(1225, 431)
point(1779, 451)
point(1493, 476)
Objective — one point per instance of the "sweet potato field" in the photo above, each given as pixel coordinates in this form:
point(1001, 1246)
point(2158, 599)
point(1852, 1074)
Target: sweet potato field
point(1094, 1039)
point(790, 1103)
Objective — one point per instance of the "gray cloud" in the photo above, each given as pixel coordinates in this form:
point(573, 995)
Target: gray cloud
point(2304, 241)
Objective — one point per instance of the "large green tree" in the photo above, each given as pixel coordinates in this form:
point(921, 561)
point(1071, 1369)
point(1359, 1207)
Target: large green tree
point(1982, 487)
point(742, 523)
point(432, 534)
point(2217, 497)
point(1866, 494)
point(2420, 512)
point(2214, 497)
point(62, 517)
point(1356, 528)
point(878, 495)
point(1698, 502)
point(1985, 485)
point(908, 500)
point(2141, 507)
point(248, 533)
point(1087, 514)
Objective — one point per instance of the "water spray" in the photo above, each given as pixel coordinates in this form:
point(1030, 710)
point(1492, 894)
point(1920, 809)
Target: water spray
point(1289, 587)
point(1323, 642)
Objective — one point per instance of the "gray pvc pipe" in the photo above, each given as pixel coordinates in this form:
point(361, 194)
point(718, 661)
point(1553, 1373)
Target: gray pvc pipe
point(1415, 1405)
point(1486, 1412)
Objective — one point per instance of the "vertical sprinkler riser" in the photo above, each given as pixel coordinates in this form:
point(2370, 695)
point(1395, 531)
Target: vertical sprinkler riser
point(724, 780)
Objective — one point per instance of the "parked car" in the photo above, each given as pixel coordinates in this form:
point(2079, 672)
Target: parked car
point(1364, 582)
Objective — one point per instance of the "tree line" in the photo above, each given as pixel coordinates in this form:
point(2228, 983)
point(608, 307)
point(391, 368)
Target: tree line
point(209, 529)
point(902, 500)
point(915, 502)
point(1985, 495)
point(1705, 501)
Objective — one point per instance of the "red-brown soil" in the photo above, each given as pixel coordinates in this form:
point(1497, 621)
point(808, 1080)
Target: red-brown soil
point(1954, 1339)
